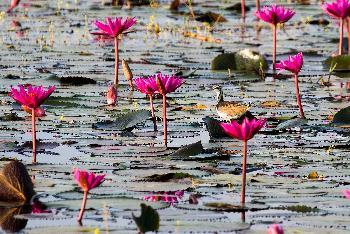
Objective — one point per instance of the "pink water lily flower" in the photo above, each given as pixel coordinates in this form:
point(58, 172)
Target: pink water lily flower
point(339, 9)
point(30, 100)
point(294, 65)
point(114, 27)
point(347, 193)
point(244, 132)
point(162, 84)
point(275, 229)
point(33, 97)
point(86, 181)
point(274, 15)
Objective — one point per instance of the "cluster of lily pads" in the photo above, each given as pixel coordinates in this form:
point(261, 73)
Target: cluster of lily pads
point(31, 98)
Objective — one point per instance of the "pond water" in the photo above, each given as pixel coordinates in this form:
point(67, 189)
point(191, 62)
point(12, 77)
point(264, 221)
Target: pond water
point(45, 40)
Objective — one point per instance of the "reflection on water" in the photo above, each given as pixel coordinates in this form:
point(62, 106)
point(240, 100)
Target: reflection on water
point(8, 221)
point(168, 197)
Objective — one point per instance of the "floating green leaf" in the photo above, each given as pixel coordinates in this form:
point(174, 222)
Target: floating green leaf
point(148, 221)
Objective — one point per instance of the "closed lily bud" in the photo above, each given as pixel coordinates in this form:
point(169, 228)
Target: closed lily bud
point(127, 73)
point(112, 95)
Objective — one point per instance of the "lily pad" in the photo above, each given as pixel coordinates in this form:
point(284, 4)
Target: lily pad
point(76, 80)
point(342, 61)
point(148, 221)
point(342, 118)
point(214, 128)
point(301, 209)
point(243, 60)
point(188, 150)
point(211, 17)
point(11, 117)
point(292, 123)
point(168, 177)
point(124, 122)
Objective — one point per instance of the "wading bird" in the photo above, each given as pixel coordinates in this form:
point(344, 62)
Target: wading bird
point(228, 110)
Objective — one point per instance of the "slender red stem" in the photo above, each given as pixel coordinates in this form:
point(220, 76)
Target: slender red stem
point(274, 42)
point(165, 121)
point(298, 96)
point(243, 8)
point(116, 51)
point(83, 204)
point(341, 30)
point(257, 5)
point(244, 171)
point(34, 135)
point(348, 24)
point(152, 110)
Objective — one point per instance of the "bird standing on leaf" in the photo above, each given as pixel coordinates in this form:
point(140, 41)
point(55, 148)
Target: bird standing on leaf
point(229, 110)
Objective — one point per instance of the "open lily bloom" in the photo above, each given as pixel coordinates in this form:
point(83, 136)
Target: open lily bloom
point(114, 27)
point(339, 9)
point(30, 100)
point(244, 132)
point(33, 97)
point(86, 181)
point(274, 15)
point(292, 64)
